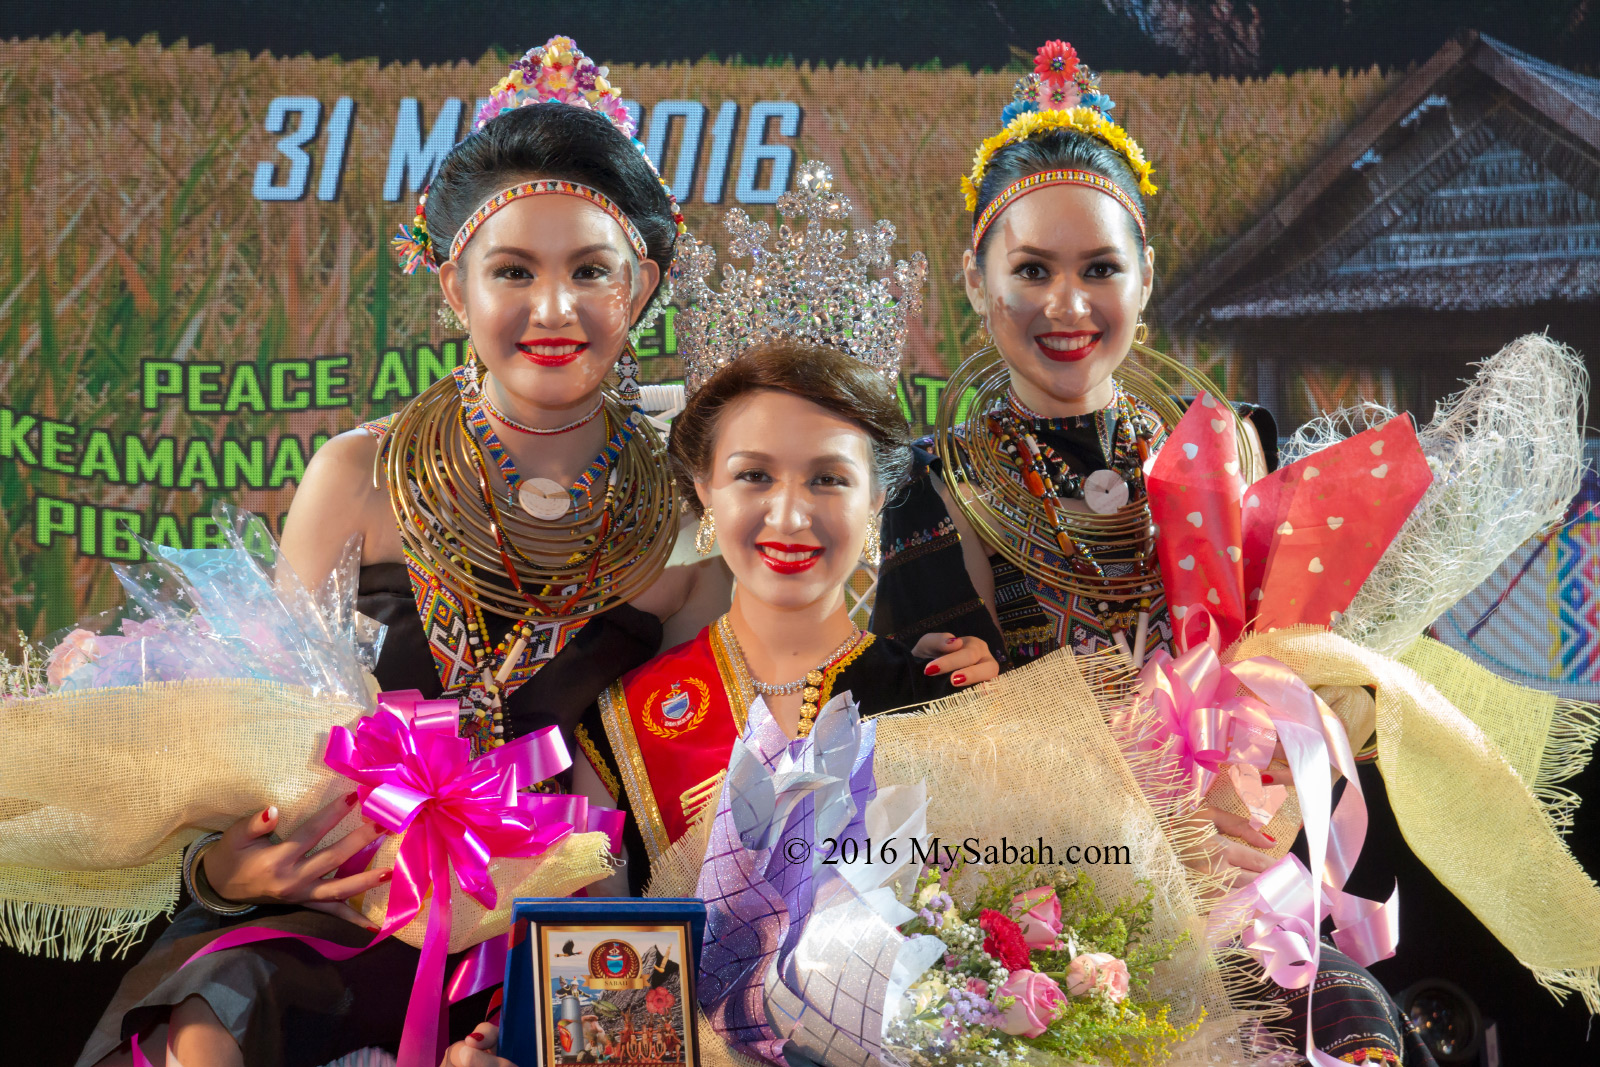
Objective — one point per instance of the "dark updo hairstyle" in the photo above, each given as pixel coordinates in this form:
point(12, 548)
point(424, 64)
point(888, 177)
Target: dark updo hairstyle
point(825, 376)
point(550, 140)
point(1059, 149)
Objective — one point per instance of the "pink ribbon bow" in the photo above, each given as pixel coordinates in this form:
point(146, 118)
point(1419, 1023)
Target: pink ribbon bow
point(1203, 716)
point(415, 776)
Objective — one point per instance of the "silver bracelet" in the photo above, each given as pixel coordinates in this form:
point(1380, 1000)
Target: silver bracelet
point(194, 880)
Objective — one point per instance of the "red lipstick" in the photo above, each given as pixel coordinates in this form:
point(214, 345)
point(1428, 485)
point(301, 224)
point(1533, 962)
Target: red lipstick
point(552, 351)
point(765, 550)
point(1072, 354)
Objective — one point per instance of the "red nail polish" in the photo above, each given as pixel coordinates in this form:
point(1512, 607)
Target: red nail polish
point(932, 668)
point(385, 876)
point(957, 679)
point(266, 814)
point(372, 929)
point(1266, 779)
point(474, 1037)
point(350, 798)
point(1269, 837)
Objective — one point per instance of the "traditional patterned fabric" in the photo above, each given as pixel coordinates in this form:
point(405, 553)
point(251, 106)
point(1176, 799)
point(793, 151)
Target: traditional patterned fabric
point(1352, 1017)
point(443, 611)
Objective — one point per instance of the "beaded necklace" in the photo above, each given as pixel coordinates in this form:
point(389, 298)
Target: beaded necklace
point(590, 559)
point(539, 431)
point(482, 433)
point(1048, 478)
point(466, 558)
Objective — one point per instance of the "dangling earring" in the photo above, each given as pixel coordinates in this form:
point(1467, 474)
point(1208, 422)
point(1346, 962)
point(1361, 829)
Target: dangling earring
point(1141, 333)
point(449, 319)
point(627, 368)
point(872, 551)
point(470, 368)
point(985, 338)
point(705, 537)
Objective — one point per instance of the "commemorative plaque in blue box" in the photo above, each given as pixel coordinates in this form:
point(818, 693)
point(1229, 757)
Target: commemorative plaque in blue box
point(602, 980)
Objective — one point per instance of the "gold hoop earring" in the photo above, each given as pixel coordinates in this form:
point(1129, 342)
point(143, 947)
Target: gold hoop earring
point(705, 536)
point(1141, 333)
point(449, 319)
point(872, 550)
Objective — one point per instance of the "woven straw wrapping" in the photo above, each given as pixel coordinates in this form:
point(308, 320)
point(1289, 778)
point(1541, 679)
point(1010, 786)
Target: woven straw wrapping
point(101, 790)
point(1029, 756)
point(1470, 763)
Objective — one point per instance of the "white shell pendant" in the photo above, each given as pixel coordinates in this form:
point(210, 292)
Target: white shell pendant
point(1105, 492)
point(544, 499)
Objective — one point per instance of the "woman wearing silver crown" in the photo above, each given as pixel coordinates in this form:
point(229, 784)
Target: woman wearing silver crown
point(790, 444)
point(1029, 522)
point(517, 531)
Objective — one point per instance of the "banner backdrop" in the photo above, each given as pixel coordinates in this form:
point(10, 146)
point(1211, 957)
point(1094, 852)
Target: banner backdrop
point(196, 288)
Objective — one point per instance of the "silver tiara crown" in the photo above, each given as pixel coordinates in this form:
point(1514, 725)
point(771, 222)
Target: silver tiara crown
point(805, 288)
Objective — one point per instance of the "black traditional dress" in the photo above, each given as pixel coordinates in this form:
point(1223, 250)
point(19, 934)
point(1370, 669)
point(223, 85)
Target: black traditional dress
point(282, 1001)
point(659, 738)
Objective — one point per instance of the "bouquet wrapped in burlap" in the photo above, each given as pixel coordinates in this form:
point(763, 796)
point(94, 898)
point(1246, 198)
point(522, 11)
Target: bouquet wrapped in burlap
point(216, 694)
point(1310, 590)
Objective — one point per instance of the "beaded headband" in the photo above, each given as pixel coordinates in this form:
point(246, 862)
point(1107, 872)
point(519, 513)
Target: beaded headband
point(554, 72)
point(1044, 178)
point(548, 187)
point(1060, 94)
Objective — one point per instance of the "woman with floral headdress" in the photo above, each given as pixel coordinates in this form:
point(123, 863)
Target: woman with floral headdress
point(515, 531)
point(1028, 521)
point(517, 527)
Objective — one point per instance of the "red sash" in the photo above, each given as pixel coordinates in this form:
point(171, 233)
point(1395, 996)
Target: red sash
point(672, 724)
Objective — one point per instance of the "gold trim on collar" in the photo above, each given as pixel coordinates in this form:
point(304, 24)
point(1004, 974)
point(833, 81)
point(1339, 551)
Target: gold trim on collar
point(735, 675)
point(591, 751)
point(831, 675)
point(619, 727)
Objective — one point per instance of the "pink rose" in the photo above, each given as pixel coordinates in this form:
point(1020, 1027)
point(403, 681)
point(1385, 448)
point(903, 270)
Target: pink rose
point(978, 987)
point(1098, 970)
point(1039, 915)
point(76, 649)
point(1039, 1003)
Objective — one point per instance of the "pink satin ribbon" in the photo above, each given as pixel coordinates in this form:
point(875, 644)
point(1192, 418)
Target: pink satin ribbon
point(1203, 717)
point(1288, 904)
point(415, 776)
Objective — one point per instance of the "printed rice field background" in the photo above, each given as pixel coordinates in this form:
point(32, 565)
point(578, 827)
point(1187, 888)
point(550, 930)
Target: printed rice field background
point(129, 232)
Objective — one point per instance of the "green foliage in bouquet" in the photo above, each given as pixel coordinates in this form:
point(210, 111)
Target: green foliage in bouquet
point(1039, 968)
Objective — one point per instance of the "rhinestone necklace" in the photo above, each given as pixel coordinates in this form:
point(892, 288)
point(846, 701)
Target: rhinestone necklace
point(808, 686)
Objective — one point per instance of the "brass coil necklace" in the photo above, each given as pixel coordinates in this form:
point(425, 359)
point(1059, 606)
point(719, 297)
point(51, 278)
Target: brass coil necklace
point(597, 555)
point(1059, 546)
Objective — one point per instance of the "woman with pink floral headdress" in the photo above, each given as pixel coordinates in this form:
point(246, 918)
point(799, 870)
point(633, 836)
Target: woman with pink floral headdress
point(517, 531)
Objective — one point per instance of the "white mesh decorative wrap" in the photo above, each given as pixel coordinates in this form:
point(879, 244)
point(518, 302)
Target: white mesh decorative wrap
point(804, 288)
point(1507, 457)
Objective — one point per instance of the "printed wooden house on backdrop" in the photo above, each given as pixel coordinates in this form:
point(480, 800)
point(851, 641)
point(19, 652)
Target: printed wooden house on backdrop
point(1462, 212)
